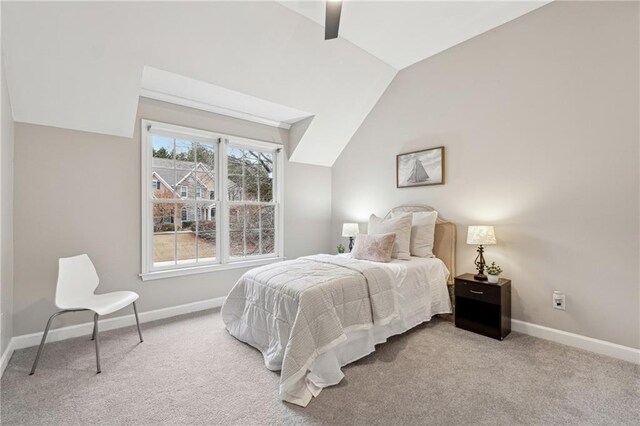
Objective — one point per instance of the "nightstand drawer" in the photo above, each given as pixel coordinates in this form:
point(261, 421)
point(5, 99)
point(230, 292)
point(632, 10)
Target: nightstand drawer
point(483, 292)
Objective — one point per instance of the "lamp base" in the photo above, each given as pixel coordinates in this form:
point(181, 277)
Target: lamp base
point(480, 276)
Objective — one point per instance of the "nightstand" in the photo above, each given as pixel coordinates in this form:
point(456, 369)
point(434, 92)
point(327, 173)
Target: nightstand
point(482, 307)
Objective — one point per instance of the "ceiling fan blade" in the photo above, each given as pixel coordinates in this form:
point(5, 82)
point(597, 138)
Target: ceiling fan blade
point(332, 19)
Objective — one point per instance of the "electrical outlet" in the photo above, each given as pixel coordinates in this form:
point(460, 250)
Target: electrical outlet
point(559, 300)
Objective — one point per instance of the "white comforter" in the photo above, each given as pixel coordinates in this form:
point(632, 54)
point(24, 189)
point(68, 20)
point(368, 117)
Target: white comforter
point(296, 311)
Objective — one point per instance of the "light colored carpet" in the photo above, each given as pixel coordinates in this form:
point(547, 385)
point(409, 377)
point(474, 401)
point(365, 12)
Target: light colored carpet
point(190, 371)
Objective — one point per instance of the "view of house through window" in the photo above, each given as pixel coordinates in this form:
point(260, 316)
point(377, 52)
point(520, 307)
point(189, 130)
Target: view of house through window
point(184, 225)
point(191, 225)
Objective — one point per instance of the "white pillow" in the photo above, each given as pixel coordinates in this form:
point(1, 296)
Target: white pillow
point(401, 226)
point(375, 247)
point(423, 229)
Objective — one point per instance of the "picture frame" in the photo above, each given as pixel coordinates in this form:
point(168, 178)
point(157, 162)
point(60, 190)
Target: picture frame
point(420, 168)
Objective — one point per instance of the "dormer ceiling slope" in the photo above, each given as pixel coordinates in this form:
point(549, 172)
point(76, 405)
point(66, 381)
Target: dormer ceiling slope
point(80, 65)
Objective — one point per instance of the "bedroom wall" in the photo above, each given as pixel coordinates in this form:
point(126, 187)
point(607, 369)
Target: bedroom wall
point(79, 192)
point(540, 120)
point(6, 219)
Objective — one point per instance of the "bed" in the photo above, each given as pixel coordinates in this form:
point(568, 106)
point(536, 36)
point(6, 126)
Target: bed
point(313, 315)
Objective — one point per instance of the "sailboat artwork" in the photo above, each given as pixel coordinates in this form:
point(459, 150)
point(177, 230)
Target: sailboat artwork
point(418, 173)
point(419, 168)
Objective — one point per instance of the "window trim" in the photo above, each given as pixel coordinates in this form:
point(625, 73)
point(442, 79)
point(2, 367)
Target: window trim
point(223, 261)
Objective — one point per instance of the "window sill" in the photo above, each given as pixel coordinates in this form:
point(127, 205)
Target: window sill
point(170, 273)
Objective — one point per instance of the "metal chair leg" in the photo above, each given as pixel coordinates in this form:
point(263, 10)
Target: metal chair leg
point(96, 332)
point(93, 336)
point(44, 339)
point(135, 311)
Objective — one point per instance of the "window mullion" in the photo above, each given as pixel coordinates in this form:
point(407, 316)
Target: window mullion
point(223, 196)
point(277, 198)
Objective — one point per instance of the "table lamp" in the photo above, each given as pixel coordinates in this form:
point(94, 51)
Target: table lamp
point(350, 230)
point(480, 235)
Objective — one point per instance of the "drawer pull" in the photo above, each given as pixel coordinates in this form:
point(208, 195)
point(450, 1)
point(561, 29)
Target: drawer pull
point(476, 292)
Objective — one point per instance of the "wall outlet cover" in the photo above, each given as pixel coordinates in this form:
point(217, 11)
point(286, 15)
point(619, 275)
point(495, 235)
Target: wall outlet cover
point(559, 300)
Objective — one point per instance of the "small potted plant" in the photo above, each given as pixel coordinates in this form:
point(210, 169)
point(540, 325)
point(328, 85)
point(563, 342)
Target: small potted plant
point(493, 273)
point(341, 248)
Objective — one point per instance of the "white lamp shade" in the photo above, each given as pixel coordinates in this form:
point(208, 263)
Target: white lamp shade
point(480, 234)
point(350, 229)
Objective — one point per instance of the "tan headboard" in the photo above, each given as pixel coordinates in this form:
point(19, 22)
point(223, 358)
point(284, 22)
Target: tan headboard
point(444, 244)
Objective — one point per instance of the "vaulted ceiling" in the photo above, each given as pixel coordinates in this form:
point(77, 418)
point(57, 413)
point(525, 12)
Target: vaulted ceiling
point(402, 33)
point(80, 65)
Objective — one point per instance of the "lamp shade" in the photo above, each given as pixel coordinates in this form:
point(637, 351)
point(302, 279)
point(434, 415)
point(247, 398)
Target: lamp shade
point(481, 234)
point(350, 229)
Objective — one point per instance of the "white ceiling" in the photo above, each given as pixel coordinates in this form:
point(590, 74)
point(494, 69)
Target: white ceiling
point(177, 89)
point(80, 65)
point(402, 33)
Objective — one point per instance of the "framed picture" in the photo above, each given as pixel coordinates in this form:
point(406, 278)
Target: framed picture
point(420, 168)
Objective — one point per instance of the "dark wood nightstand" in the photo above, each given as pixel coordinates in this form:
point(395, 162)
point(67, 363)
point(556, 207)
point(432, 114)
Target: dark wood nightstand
point(482, 307)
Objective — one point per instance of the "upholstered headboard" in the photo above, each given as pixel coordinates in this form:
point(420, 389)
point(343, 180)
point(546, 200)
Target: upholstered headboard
point(444, 244)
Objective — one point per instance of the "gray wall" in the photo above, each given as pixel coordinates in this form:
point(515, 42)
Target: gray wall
point(6, 219)
point(79, 192)
point(540, 122)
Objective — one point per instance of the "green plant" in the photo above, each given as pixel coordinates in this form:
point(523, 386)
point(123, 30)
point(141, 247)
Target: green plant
point(341, 248)
point(494, 269)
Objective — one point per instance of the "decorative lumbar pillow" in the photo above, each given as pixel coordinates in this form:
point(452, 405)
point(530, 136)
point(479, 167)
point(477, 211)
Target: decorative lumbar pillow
point(423, 230)
point(375, 247)
point(401, 226)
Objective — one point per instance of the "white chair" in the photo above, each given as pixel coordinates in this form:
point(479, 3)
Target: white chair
point(77, 280)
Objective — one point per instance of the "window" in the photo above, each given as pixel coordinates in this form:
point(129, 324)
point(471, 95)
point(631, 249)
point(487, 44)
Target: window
point(220, 206)
point(251, 206)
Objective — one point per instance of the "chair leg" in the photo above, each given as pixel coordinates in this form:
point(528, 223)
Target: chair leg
point(97, 336)
point(93, 336)
point(44, 339)
point(135, 311)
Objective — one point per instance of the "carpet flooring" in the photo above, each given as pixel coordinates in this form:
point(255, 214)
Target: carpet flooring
point(190, 371)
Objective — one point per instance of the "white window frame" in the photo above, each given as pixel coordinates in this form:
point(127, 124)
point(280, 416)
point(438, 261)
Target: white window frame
point(185, 189)
point(222, 260)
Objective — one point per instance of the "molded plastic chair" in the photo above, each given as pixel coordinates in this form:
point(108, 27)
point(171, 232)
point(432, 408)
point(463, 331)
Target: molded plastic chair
point(77, 280)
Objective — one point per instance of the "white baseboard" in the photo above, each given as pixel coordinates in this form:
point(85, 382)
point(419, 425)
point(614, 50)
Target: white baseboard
point(577, 341)
point(6, 356)
point(28, 340)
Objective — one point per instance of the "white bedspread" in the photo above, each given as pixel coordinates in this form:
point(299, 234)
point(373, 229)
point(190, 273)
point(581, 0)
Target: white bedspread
point(312, 315)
